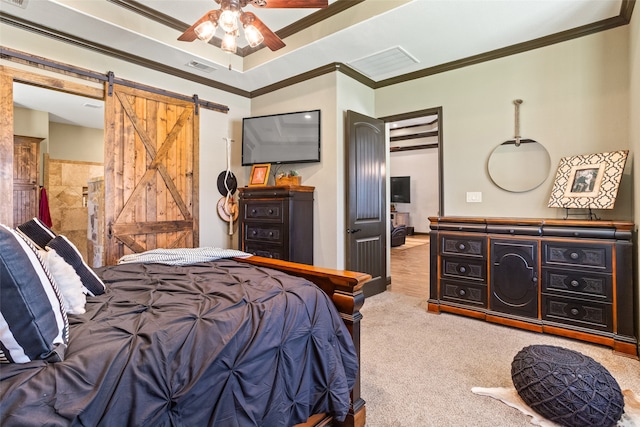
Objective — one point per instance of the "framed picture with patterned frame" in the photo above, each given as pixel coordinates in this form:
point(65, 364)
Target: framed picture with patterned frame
point(588, 181)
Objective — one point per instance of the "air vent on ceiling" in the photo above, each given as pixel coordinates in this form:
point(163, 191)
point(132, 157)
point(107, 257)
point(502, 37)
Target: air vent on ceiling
point(383, 63)
point(19, 3)
point(200, 66)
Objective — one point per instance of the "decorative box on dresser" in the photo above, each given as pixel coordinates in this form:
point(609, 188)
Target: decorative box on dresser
point(277, 222)
point(572, 278)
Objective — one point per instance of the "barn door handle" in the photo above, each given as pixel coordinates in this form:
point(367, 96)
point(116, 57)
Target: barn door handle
point(350, 231)
point(109, 231)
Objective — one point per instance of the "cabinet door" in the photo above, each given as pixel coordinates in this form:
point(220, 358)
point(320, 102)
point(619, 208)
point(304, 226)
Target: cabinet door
point(514, 277)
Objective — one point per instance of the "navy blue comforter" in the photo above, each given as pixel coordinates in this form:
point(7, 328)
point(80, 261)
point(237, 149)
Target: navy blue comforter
point(220, 343)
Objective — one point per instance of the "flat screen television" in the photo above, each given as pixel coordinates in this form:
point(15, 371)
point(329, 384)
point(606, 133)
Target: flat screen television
point(400, 189)
point(281, 138)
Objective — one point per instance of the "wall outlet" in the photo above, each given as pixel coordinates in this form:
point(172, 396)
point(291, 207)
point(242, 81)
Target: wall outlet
point(474, 196)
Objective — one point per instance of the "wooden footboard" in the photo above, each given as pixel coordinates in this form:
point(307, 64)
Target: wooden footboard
point(345, 289)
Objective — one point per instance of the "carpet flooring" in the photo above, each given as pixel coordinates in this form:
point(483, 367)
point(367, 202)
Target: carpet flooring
point(418, 368)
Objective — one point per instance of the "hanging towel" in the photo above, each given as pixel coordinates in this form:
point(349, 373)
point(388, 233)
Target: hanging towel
point(43, 213)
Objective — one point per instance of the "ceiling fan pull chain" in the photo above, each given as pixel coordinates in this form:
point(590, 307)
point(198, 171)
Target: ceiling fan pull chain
point(517, 103)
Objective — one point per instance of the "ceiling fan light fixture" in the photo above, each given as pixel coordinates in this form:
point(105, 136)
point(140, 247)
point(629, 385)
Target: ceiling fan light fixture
point(206, 30)
point(253, 35)
point(228, 20)
point(229, 42)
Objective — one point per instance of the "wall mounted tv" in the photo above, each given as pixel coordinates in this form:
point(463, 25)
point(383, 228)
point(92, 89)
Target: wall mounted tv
point(281, 138)
point(400, 189)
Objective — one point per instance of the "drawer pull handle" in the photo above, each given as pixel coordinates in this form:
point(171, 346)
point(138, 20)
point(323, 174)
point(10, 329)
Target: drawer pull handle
point(574, 255)
point(253, 211)
point(462, 269)
point(575, 283)
point(270, 211)
point(254, 232)
point(462, 246)
point(574, 311)
point(271, 234)
point(462, 292)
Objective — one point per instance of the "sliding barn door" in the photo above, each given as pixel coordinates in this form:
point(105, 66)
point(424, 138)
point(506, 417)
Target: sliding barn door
point(151, 173)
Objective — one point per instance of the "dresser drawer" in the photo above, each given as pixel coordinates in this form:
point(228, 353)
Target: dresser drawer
point(576, 312)
point(275, 252)
point(268, 211)
point(464, 293)
point(594, 256)
point(264, 233)
point(578, 284)
point(464, 268)
point(463, 245)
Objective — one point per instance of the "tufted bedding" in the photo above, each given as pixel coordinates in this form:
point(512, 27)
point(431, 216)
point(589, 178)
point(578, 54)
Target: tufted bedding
point(216, 343)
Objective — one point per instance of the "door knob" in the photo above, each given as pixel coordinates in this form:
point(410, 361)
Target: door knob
point(350, 231)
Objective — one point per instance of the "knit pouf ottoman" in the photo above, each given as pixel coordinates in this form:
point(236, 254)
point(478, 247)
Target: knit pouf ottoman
point(567, 387)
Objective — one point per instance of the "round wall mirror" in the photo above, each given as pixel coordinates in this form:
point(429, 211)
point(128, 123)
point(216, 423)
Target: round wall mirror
point(519, 168)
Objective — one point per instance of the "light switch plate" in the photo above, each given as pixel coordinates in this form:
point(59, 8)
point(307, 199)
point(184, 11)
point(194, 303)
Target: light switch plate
point(474, 196)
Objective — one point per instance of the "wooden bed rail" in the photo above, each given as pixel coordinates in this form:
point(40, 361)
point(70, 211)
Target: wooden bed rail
point(345, 289)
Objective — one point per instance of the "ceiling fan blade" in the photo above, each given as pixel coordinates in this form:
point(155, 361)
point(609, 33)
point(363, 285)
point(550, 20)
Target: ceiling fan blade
point(190, 34)
point(291, 4)
point(271, 40)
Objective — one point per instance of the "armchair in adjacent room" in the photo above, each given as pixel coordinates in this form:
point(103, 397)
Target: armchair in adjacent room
point(398, 234)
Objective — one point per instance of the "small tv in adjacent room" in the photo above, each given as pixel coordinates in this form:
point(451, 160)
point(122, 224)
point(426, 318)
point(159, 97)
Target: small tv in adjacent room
point(400, 189)
point(281, 138)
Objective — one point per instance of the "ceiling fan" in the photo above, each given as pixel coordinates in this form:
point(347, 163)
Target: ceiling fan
point(231, 14)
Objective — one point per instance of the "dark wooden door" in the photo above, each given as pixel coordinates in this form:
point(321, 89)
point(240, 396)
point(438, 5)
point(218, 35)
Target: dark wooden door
point(25, 178)
point(151, 173)
point(366, 246)
point(514, 277)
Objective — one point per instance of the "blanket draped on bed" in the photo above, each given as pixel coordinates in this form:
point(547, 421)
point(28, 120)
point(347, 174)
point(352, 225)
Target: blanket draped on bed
point(218, 343)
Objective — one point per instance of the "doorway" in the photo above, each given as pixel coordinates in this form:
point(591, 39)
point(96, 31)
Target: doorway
point(70, 127)
point(415, 167)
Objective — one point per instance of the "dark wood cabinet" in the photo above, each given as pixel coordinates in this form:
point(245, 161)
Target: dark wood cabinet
point(277, 222)
point(566, 277)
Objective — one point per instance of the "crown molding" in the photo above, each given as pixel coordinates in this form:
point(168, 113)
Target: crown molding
point(623, 18)
point(115, 53)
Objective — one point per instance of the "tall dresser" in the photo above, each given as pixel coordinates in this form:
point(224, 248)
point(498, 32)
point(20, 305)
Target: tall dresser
point(277, 222)
point(566, 277)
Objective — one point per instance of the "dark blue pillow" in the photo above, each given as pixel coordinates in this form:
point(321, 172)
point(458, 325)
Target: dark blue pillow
point(37, 231)
point(33, 323)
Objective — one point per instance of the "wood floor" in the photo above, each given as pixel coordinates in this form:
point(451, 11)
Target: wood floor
point(410, 267)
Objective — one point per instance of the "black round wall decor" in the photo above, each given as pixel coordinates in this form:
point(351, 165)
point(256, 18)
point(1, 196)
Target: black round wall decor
point(231, 182)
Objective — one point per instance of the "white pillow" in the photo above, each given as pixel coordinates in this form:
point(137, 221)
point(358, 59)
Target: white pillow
point(68, 281)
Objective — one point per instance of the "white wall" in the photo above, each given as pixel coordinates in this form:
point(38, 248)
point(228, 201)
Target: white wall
point(575, 102)
point(422, 167)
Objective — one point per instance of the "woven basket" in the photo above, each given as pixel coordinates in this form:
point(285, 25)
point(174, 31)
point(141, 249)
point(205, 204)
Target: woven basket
point(289, 180)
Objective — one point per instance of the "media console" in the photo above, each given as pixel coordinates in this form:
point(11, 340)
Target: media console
point(572, 278)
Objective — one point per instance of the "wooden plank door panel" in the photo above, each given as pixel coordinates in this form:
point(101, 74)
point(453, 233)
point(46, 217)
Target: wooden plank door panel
point(151, 173)
point(25, 178)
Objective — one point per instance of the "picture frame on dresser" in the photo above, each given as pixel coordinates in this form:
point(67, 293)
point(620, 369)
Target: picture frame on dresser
point(259, 175)
point(588, 181)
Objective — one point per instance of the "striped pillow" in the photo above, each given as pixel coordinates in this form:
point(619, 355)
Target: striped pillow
point(37, 231)
point(33, 323)
point(72, 256)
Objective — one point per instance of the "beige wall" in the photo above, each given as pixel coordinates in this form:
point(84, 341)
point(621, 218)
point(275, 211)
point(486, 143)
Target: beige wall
point(76, 143)
point(575, 102)
point(333, 94)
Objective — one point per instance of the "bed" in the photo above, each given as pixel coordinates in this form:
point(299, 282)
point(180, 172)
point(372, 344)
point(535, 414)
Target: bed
point(228, 342)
